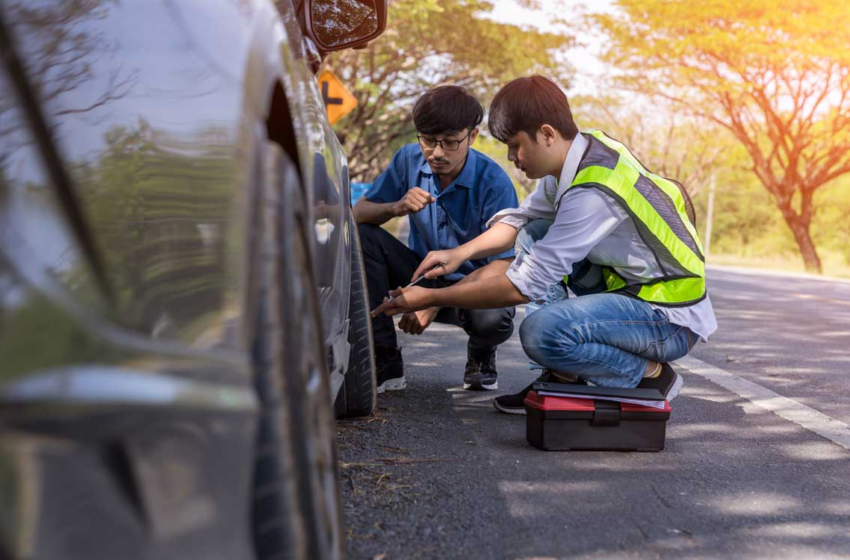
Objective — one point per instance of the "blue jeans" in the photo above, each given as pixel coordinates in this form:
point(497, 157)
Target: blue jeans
point(606, 339)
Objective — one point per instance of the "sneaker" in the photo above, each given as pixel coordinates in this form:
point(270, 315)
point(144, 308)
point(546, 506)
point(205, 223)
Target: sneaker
point(480, 374)
point(390, 369)
point(668, 382)
point(515, 404)
point(564, 377)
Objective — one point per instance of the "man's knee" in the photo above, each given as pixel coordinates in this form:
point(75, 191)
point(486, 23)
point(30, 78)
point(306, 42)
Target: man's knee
point(374, 241)
point(542, 335)
point(532, 335)
point(369, 232)
point(490, 322)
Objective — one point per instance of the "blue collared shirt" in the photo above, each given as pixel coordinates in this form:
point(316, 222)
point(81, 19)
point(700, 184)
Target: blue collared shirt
point(461, 210)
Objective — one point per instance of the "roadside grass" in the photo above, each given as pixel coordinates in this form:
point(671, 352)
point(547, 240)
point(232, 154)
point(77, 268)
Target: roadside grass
point(363, 477)
point(834, 264)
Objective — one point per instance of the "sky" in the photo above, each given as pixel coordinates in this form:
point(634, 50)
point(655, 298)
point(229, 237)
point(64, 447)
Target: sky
point(584, 56)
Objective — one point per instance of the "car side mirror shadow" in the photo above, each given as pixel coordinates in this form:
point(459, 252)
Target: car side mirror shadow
point(335, 25)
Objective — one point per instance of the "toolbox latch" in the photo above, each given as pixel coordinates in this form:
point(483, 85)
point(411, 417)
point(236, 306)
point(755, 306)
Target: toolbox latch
point(606, 413)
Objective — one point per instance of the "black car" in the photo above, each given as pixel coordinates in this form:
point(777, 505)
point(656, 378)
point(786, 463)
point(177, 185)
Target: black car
point(182, 301)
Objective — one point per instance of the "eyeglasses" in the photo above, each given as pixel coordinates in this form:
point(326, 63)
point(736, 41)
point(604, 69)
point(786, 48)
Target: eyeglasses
point(448, 145)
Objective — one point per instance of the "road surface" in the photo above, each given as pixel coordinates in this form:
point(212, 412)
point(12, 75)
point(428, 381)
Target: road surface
point(757, 463)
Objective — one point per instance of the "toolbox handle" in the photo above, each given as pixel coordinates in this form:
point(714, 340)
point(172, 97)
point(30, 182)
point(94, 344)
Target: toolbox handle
point(605, 414)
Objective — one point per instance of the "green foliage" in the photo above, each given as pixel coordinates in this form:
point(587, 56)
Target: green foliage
point(746, 223)
point(428, 43)
point(673, 145)
point(831, 226)
point(775, 73)
point(498, 152)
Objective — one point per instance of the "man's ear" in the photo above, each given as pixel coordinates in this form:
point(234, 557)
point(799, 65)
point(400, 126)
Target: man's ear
point(549, 134)
point(473, 135)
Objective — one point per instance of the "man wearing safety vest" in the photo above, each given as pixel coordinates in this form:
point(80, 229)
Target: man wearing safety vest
point(620, 237)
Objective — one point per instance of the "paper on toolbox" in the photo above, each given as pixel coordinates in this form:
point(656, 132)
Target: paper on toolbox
point(640, 402)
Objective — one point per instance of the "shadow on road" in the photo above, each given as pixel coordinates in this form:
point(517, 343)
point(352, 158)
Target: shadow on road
point(438, 473)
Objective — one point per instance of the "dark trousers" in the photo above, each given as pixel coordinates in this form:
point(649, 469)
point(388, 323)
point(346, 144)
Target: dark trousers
point(390, 264)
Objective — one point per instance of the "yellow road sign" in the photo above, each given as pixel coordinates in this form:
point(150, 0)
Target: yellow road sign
point(338, 101)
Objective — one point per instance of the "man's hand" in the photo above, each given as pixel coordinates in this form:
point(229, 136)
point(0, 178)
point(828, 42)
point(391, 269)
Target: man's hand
point(404, 300)
point(449, 259)
point(414, 200)
point(415, 322)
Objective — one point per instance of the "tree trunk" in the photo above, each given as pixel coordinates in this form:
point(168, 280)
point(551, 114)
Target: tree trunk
point(800, 228)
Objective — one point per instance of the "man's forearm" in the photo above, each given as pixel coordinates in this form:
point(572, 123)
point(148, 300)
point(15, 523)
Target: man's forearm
point(366, 212)
point(495, 240)
point(495, 268)
point(489, 292)
point(487, 288)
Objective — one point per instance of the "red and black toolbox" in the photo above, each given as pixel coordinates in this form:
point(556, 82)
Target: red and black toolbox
point(577, 421)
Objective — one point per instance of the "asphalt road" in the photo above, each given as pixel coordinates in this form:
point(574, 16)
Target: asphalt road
point(756, 465)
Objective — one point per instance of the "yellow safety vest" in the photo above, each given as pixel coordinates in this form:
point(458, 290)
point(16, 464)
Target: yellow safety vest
point(662, 212)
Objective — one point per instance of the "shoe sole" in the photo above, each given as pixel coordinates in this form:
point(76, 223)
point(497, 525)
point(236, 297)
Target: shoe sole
point(514, 411)
point(392, 385)
point(479, 387)
point(676, 387)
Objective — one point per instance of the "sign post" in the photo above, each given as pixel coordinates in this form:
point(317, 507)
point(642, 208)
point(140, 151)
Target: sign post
point(338, 101)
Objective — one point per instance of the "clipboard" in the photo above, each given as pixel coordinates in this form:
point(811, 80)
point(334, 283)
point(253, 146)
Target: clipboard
point(586, 391)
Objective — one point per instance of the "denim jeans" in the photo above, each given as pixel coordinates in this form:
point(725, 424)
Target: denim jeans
point(606, 339)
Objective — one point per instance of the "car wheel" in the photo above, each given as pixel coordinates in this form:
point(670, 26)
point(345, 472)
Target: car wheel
point(296, 509)
point(358, 395)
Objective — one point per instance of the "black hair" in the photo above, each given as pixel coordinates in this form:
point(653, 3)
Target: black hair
point(446, 110)
point(526, 104)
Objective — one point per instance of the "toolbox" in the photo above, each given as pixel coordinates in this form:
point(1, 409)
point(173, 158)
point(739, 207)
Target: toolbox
point(571, 423)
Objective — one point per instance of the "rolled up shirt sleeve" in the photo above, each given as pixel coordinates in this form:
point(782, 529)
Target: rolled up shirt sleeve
point(535, 206)
point(515, 221)
point(585, 217)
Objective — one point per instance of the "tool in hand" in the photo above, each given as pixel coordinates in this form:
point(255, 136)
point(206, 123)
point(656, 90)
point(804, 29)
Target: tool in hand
point(418, 279)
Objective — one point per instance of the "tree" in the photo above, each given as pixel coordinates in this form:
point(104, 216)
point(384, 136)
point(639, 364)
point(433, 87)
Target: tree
point(775, 73)
point(430, 42)
point(657, 138)
point(498, 152)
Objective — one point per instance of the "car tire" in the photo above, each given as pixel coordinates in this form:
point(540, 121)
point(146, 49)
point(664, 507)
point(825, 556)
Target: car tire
point(358, 395)
point(296, 509)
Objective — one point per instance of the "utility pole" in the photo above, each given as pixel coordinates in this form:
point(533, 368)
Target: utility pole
point(710, 215)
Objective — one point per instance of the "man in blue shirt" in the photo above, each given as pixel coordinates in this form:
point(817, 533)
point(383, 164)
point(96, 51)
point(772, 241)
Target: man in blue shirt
point(448, 191)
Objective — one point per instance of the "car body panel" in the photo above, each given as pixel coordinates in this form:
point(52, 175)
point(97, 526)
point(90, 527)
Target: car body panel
point(156, 120)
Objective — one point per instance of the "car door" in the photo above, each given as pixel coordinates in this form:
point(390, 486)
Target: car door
point(145, 111)
point(129, 409)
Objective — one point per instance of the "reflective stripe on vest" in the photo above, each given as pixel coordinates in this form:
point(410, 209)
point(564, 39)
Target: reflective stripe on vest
point(648, 198)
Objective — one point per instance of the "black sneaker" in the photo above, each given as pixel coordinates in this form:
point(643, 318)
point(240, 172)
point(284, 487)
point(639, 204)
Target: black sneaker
point(515, 404)
point(668, 382)
point(390, 369)
point(480, 373)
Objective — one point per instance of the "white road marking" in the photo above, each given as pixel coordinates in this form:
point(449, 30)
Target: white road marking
point(804, 416)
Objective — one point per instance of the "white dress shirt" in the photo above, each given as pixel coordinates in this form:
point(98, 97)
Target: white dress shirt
point(587, 224)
